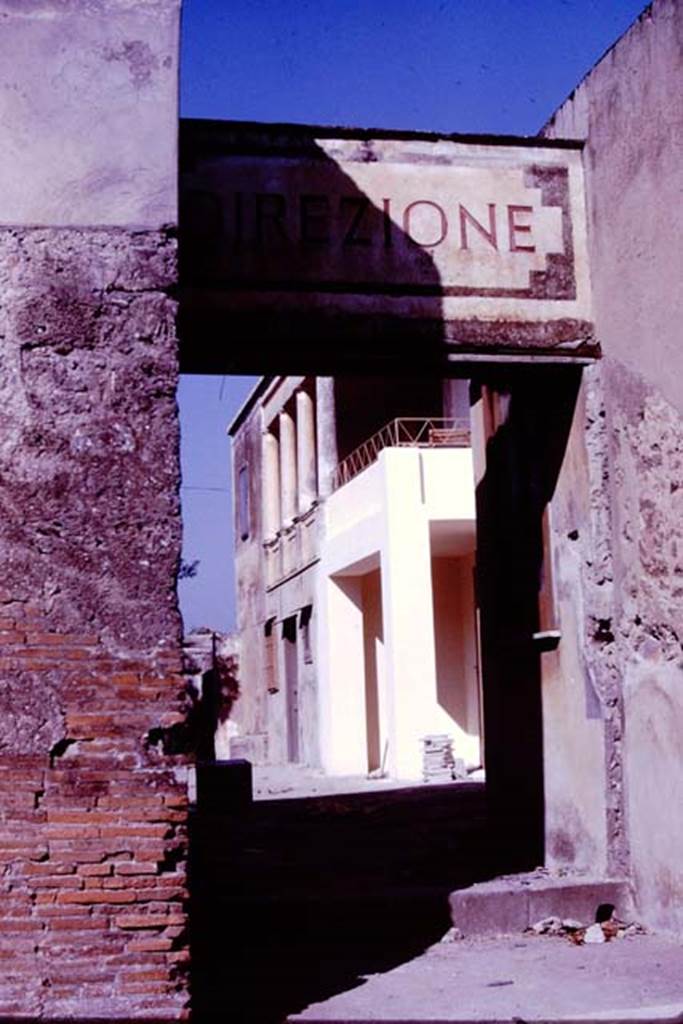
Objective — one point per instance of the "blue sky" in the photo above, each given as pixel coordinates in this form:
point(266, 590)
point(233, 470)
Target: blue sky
point(499, 66)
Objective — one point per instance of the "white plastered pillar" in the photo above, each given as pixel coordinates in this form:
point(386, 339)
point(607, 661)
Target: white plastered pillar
point(271, 486)
point(341, 678)
point(305, 451)
point(407, 608)
point(326, 433)
point(288, 496)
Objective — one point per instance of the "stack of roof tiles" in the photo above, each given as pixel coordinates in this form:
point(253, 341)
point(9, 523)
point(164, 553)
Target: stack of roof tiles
point(437, 758)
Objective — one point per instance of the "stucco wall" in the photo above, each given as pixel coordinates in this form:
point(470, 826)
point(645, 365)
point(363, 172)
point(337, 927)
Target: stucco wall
point(384, 516)
point(455, 638)
point(628, 110)
point(92, 836)
point(577, 683)
point(88, 115)
point(250, 711)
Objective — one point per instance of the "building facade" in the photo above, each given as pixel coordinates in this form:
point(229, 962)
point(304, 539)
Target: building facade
point(355, 573)
point(545, 271)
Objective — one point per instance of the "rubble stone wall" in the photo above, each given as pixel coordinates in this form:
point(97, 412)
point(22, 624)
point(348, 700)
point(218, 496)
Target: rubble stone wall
point(92, 847)
point(626, 109)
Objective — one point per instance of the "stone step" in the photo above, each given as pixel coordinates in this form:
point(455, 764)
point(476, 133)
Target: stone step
point(506, 906)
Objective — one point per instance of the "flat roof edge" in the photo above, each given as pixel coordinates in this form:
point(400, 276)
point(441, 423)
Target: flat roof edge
point(248, 404)
point(194, 125)
point(645, 14)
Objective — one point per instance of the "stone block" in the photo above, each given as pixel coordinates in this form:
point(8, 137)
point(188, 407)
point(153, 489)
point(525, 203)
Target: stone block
point(578, 900)
point(488, 910)
point(510, 905)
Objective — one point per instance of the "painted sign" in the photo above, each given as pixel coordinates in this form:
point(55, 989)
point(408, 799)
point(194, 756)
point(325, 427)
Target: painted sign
point(297, 220)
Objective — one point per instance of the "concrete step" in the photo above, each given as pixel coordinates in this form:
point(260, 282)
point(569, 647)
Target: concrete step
point(509, 905)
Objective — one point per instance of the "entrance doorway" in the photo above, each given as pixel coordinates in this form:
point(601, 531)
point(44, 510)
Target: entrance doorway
point(291, 665)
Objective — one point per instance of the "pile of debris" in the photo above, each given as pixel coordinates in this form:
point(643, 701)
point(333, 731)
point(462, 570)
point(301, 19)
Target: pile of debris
point(438, 762)
point(606, 928)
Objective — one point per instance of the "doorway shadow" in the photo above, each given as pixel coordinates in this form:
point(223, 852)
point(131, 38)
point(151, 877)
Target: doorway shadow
point(528, 414)
point(294, 901)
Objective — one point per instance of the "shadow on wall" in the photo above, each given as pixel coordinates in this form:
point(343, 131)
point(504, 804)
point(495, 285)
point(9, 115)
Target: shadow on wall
point(213, 707)
point(266, 253)
point(529, 413)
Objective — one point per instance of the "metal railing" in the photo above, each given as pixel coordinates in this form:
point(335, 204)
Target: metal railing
point(406, 432)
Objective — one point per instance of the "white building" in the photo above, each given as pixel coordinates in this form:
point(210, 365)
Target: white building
point(355, 538)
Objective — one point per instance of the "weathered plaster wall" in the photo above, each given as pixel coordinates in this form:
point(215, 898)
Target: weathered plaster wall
point(577, 686)
point(251, 711)
point(627, 109)
point(92, 835)
point(88, 112)
point(285, 602)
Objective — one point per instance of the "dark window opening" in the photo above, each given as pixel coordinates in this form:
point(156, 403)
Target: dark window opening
point(270, 673)
point(305, 627)
point(243, 503)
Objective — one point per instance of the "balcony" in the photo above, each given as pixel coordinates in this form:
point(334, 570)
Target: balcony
point(406, 432)
point(294, 549)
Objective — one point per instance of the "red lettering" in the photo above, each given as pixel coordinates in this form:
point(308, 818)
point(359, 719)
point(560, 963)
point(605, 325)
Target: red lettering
point(467, 218)
point(443, 230)
point(515, 228)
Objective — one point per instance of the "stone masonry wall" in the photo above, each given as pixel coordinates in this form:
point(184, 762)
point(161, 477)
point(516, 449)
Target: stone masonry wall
point(627, 111)
point(92, 818)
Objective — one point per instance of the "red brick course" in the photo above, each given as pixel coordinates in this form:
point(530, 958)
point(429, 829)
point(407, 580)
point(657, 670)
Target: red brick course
point(92, 841)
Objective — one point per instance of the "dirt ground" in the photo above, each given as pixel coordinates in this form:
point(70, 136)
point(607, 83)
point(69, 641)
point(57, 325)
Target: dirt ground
point(520, 978)
point(277, 782)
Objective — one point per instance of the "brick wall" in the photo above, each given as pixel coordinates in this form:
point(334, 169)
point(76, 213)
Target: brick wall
point(92, 846)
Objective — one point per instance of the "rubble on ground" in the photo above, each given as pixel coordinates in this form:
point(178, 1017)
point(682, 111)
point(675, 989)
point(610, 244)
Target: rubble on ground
point(582, 934)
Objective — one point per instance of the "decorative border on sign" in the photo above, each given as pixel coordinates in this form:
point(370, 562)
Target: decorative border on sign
point(558, 280)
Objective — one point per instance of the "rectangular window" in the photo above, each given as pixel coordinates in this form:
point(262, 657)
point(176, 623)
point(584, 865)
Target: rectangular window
point(243, 503)
point(305, 627)
point(270, 657)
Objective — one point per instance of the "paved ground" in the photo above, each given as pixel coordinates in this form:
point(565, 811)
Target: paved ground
point(292, 781)
point(519, 979)
point(314, 891)
point(293, 900)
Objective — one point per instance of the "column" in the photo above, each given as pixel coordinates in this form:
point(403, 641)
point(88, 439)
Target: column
point(326, 422)
point(288, 501)
point(271, 486)
point(305, 451)
point(408, 615)
point(341, 676)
